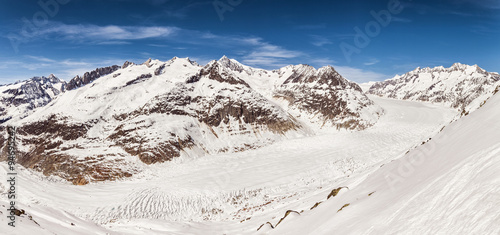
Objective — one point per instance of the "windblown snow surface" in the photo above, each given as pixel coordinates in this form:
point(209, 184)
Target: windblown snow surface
point(413, 172)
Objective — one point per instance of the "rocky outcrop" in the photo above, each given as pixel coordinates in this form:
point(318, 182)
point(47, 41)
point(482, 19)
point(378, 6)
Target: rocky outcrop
point(216, 71)
point(127, 64)
point(139, 79)
point(89, 77)
point(45, 139)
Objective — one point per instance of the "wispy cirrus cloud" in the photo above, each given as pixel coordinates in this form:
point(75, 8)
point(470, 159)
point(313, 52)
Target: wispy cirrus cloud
point(372, 62)
point(40, 58)
point(360, 75)
point(251, 50)
point(266, 55)
point(321, 62)
point(320, 41)
point(108, 33)
point(30, 66)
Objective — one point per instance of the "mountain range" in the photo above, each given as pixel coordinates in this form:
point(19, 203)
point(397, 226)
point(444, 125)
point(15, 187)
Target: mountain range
point(111, 122)
point(460, 86)
point(97, 126)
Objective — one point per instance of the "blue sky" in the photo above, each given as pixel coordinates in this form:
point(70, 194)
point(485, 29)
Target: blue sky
point(69, 37)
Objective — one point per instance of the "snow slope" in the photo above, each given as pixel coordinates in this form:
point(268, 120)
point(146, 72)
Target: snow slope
point(227, 193)
point(449, 185)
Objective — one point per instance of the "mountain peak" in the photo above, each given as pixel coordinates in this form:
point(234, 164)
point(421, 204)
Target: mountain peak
point(327, 69)
point(231, 64)
point(458, 65)
point(127, 64)
point(147, 63)
point(455, 67)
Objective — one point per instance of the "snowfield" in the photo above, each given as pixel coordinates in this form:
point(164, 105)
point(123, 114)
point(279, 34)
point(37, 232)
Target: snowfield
point(449, 185)
point(412, 172)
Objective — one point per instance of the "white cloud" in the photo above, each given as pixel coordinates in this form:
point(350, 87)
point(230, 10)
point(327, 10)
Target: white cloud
point(253, 50)
point(113, 43)
point(372, 62)
point(109, 34)
point(266, 55)
point(359, 75)
point(318, 63)
point(65, 69)
point(320, 41)
point(272, 51)
point(40, 58)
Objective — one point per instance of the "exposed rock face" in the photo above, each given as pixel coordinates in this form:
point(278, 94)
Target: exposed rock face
point(148, 63)
point(228, 63)
point(327, 98)
point(89, 77)
point(159, 70)
point(22, 97)
point(127, 64)
point(43, 141)
point(139, 79)
point(215, 71)
point(460, 86)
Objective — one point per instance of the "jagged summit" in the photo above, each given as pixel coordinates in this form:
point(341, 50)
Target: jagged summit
point(22, 98)
point(235, 65)
point(455, 67)
point(89, 77)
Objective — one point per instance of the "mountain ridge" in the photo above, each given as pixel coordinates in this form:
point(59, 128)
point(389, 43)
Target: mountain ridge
point(460, 86)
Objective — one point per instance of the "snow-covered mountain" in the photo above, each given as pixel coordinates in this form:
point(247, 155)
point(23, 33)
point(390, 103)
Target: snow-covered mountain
point(327, 98)
point(110, 122)
point(460, 86)
point(320, 97)
point(21, 98)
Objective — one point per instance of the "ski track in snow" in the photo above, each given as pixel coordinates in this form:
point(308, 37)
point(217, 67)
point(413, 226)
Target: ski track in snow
point(213, 194)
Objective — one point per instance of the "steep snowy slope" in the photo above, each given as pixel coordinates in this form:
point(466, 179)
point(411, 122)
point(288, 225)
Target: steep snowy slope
point(21, 98)
point(460, 86)
point(448, 185)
